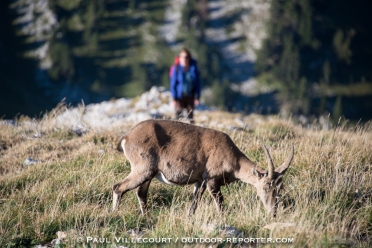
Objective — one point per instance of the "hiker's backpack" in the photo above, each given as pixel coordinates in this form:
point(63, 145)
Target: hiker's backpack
point(176, 62)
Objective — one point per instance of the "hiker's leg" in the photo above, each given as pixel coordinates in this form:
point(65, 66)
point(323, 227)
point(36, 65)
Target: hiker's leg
point(178, 108)
point(190, 108)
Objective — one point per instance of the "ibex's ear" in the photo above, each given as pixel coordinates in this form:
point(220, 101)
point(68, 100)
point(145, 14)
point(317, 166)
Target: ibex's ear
point(119, 146)
point(257, 173)
point(278, 183)
point(278, 178)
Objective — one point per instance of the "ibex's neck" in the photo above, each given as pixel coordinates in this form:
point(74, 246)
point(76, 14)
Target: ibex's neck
point(245, 173)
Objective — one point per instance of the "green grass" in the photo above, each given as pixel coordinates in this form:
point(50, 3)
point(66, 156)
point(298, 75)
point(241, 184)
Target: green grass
point(327, 188)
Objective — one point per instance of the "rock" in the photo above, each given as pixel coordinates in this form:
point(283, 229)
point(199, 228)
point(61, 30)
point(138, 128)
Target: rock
point(79, 130)
point(239, 121)
point(156, 103)
point(152, 99)
point(69, 118)
point(135, 233)
point(204, 118)
point(226, 229)
point(56, 242)
point(137, 117)
point(231, 231)
point(8, 122)
point(166, 109)
point(37, 135)
point(61, 235)
point(303, 120)
point(30, 161)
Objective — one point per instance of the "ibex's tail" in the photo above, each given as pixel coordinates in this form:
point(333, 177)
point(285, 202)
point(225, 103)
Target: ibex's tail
point(119, 147)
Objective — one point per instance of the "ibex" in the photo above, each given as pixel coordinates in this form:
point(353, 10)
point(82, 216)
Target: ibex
point(177, 153)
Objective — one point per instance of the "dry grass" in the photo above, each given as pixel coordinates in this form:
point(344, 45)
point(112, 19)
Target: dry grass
point(327, 194)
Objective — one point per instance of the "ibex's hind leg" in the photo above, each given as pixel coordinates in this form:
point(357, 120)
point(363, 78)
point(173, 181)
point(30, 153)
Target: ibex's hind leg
point(198, 193)
point(142, 196)
point(132, 181)
point(214, 189)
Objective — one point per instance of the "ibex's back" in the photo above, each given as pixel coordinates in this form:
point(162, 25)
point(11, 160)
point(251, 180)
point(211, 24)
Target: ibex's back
point(179, 153)
point(183, 153)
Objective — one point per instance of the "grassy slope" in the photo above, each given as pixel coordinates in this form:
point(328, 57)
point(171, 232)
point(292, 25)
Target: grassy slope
point(327, 189)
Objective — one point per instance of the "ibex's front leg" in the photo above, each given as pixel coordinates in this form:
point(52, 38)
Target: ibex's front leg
point(142, 196)
point(198, 193)
point(214, 189)
point(115, 199)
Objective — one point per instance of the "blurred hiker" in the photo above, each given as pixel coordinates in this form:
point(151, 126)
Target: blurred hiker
point(185, 84)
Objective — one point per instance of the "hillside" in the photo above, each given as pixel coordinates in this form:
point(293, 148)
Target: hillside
point(303, 57)
point(57, 173)
point(96, 50)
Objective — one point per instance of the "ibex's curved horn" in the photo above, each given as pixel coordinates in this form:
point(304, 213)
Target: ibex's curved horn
point(286, 164)
point(270, 163)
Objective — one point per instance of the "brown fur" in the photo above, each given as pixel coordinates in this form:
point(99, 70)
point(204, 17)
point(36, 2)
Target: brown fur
point(189, 154)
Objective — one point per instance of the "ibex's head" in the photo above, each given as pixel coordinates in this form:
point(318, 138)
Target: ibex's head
point(269, 184)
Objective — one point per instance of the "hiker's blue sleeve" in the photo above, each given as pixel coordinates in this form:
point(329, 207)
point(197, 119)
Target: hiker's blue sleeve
point(198, 85)
point(173, 83)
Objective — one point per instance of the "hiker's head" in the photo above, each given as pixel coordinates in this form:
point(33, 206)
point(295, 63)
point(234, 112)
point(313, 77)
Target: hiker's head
point(185, 57)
